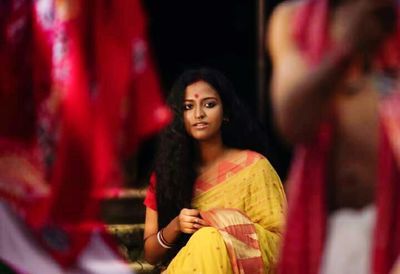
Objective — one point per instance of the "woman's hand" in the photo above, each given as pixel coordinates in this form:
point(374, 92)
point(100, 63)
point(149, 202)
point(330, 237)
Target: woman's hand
point(190, 221)
point(370, 23)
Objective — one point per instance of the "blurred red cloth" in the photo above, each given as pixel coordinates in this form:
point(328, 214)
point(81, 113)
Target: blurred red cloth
point(80, 91)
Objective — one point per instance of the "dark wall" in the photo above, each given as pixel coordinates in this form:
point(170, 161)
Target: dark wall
point(217, 33)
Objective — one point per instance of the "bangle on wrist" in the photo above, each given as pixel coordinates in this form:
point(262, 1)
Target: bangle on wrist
point(162, 241)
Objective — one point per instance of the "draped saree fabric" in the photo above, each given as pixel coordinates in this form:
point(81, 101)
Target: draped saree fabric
point(80, 91)
point(240, 239)
point(243, 201)
point(307, 213)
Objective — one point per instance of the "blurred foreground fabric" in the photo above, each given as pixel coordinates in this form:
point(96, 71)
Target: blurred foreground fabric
point(78, 91)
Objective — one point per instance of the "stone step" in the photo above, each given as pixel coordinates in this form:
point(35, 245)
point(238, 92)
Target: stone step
point(124, 212)
point(124, 207)
point(143, 268)
point(130, 241)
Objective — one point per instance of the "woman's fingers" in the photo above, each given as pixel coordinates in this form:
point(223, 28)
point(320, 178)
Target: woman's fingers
point(188, 227)
point(201, 222)
point(190, 212)
point(190, 221)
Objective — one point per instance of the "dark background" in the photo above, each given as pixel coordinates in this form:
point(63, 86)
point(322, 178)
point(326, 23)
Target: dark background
point(217, 33)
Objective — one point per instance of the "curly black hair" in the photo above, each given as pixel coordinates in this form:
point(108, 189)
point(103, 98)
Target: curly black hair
point(177, 158)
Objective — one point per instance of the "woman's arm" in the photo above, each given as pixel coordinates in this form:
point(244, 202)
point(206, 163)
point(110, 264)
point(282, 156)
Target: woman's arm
point(153, 251)
point(188, 221)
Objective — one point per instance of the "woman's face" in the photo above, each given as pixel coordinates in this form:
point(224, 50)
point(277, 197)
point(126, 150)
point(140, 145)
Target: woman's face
point(202, 111)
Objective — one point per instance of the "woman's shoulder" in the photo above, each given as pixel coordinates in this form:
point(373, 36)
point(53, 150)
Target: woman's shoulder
point(261, 166)
point(254, 160)
point(245, 157)
point(254, 154)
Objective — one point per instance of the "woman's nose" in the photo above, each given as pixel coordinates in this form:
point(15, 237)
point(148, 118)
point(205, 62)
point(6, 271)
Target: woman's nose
point(199, 113)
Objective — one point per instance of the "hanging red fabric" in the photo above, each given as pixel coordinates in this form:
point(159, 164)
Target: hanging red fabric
point(84, 79)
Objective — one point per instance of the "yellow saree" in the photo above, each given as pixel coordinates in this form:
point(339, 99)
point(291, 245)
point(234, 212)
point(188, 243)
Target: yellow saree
point(242, 199)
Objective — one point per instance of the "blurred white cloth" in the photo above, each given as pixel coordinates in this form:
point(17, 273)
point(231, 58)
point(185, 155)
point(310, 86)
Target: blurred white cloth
point(20, 251)
point(348, 242)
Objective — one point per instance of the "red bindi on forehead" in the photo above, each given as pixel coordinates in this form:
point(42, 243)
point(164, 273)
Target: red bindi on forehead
point(196, 95)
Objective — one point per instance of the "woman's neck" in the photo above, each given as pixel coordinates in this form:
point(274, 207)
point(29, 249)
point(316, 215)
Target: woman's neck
point(211, 150)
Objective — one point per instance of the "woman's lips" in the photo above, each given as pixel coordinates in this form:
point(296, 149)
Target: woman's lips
point(200, 125)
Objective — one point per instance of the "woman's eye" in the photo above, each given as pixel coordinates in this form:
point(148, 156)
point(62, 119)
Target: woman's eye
point(210, 104)
point(187, 106)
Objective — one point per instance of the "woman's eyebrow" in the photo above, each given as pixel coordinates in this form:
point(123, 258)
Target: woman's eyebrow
point(207, 98)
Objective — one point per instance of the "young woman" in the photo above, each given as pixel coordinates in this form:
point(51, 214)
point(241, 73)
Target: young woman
point(214, 205)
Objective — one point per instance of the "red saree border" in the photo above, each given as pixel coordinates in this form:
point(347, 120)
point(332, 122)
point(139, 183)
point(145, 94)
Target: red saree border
point(240, 238)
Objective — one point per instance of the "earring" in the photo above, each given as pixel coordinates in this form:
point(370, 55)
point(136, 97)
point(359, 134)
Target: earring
point(225, 120)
